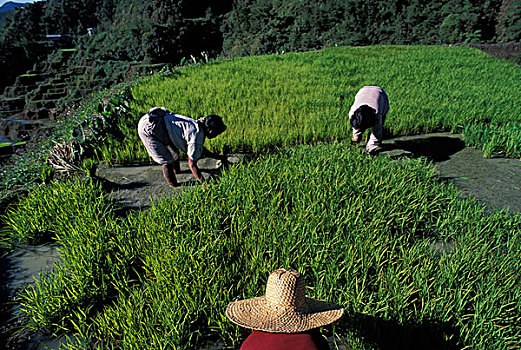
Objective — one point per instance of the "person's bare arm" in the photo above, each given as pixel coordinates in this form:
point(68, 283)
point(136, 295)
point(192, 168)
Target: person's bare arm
point(195, 170)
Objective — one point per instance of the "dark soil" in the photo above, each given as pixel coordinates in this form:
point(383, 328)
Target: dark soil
point(135, 187)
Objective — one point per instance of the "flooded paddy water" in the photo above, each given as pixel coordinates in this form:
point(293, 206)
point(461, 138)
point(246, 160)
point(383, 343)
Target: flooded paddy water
point(494, 182)
point(19, 269)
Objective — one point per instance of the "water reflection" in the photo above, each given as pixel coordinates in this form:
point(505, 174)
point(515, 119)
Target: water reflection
point(19, 269)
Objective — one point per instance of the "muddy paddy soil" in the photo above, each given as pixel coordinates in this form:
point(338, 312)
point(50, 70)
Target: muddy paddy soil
point(18, 270)
point(494, 182)
point(136, 187)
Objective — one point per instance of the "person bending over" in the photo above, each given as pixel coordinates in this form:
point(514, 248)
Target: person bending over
point(165, 133)
point(368, 111)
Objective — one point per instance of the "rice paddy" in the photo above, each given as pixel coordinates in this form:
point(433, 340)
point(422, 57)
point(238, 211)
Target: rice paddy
point(303, 97)
point(399, 249)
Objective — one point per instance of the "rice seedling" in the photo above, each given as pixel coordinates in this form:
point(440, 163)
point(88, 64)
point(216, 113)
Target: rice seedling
point(495, 139)
point(280, 100)
point(363, 231)
point(399, 250)
point(46, 210)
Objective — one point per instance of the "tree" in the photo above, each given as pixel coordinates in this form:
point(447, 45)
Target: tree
point(509, 21)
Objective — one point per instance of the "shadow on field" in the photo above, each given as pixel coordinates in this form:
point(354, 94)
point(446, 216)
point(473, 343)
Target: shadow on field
point(435, 148)
point(389, 335)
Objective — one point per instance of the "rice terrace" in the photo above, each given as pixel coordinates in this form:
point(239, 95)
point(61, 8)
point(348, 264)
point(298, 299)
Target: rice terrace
point(413, 263)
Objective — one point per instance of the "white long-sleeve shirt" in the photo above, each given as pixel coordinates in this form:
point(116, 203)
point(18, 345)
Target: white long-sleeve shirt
point(376, 98)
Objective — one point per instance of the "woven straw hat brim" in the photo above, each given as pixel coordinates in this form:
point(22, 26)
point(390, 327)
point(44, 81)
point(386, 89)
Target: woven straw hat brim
point(255, 314)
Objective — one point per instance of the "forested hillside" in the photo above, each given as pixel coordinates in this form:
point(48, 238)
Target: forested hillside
point(122, 30)
point(166, 31)
point(7, 7)
point(258, 26)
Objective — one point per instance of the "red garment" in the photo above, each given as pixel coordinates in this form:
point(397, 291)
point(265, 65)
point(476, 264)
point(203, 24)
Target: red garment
point(258, 340)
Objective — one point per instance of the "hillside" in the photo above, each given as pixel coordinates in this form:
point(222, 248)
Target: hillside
point(9, 7)
point(167, 31)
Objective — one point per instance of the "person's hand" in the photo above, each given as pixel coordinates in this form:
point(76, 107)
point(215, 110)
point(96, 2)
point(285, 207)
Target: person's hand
point(223, 161)
point(374, 152)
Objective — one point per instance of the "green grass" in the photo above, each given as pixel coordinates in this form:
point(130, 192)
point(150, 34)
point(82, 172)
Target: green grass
point(495, 139)
point(364, 232)
point(51, 209)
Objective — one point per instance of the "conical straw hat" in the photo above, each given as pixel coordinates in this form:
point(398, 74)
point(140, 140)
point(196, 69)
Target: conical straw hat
point(284, 308)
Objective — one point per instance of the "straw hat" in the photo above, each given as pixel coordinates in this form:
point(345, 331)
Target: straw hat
point(284, 308)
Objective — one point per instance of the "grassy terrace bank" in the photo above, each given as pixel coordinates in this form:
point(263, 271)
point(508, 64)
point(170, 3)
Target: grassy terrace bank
point(414, 265)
